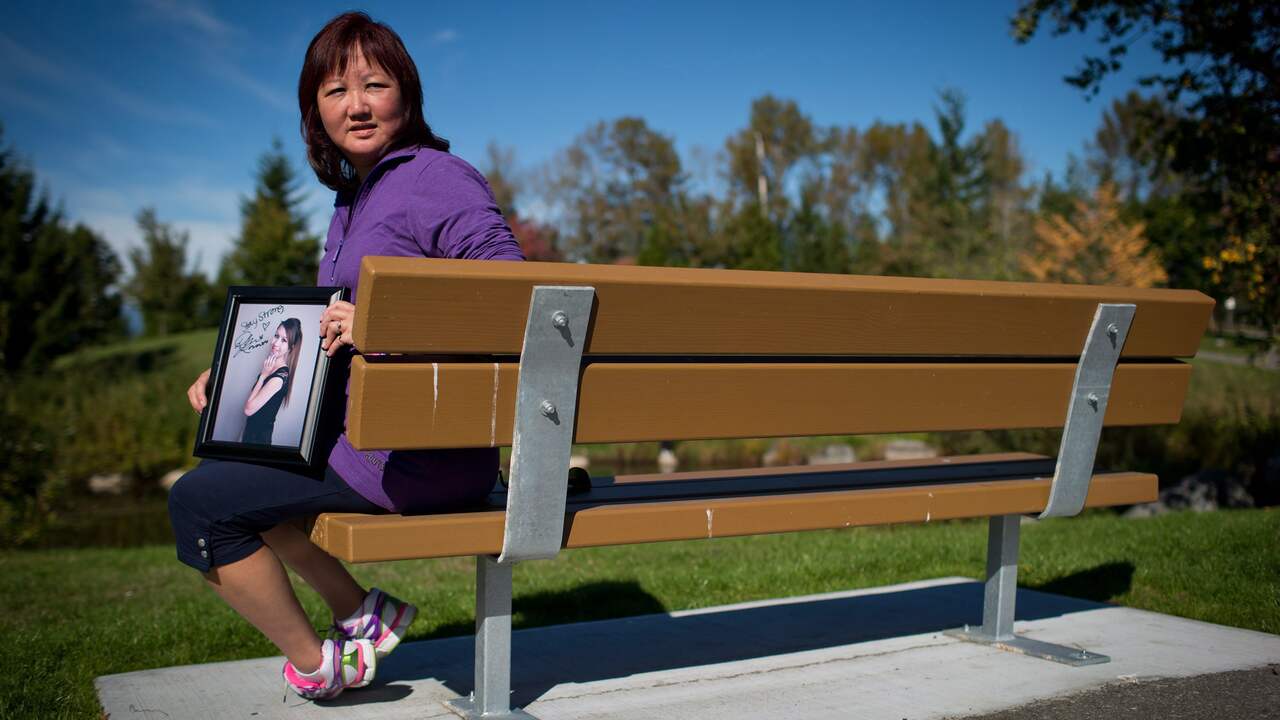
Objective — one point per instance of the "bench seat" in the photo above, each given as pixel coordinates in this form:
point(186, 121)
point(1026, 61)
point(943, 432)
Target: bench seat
point(865, 494)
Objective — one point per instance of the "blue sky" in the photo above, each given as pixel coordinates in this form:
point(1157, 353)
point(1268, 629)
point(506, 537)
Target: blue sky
point(169, 103)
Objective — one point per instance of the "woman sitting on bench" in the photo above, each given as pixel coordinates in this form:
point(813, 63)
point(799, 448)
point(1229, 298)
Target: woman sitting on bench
point(399, 192)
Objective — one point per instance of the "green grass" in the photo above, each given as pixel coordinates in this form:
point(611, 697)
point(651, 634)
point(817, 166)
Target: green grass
point(193, 350)
point(83, 613)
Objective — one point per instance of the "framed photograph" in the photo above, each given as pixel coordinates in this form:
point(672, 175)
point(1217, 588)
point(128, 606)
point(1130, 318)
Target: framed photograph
point(268, 376)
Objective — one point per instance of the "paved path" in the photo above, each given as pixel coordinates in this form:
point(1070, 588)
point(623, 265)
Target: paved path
point(874, 654)
point(1234, 695)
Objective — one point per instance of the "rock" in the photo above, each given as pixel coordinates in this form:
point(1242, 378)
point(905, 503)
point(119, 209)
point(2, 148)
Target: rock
point(834, 454)
point(1206, 490)
point(908, 450)
point(113, 484)
point(667, 461)
point(170, 478)
point(776, 455)
point(1144, 510)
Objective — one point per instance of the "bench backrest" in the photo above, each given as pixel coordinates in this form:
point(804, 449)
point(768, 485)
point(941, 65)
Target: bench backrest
point(677, 353)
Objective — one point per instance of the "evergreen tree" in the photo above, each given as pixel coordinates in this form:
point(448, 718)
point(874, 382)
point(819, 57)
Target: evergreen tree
point(58, 281)
point(170, 297)
point(274, 247)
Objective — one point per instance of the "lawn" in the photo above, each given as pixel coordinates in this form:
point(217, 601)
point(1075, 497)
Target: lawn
point(81, 613)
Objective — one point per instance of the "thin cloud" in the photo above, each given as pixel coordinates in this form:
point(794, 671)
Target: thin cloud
point(443, 37)
point(229, 72)
point(192, 16)
point(215, 42)
point(27, 63)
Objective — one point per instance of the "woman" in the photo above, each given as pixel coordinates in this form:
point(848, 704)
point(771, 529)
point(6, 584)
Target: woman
point(399, 192)
point(274, 383)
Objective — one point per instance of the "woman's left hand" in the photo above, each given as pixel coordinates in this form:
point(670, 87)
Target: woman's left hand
point(336, 325)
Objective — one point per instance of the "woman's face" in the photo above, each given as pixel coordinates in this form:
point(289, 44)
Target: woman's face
point(280, 343)
point(361, 111)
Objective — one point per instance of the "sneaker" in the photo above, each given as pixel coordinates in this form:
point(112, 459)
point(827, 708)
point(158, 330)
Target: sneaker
point(381, 619)
point(344, 664)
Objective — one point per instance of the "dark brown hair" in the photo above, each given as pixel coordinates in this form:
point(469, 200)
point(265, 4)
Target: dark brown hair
point(328, 54)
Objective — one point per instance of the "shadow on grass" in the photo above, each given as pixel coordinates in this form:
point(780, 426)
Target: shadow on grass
point(593, 601)
point(1099, 584)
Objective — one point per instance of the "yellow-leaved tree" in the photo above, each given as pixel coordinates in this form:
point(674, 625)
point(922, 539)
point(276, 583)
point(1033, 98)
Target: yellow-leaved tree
point(1098, 247)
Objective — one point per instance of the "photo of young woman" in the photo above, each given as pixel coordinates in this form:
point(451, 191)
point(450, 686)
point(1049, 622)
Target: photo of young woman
point(270, 365)
point(274, 384)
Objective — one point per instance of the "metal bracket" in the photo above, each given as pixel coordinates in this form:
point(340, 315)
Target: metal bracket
point(546, 407)
point(999, 597)
point(1087, 408)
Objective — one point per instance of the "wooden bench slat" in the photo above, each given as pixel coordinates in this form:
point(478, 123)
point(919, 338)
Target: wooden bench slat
point(415, 305)
point(441, 405)
point(371, 538)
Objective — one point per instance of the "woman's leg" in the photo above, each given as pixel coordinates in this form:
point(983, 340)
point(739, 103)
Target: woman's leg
point(322, 571)
point(258, 588)
point(220, 512)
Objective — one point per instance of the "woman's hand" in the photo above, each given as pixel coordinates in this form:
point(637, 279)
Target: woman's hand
point(274, 362)
point(195, 393)
point(336, 325)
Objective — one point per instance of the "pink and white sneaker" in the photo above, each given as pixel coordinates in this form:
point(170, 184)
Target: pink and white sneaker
point(381, 619)
point(344, 664)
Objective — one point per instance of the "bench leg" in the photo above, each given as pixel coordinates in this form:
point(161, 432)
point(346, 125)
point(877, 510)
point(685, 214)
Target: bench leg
point(491, 699)
point(998, 602)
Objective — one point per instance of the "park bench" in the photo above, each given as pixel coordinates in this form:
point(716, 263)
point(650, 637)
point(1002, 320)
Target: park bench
point(540, 355)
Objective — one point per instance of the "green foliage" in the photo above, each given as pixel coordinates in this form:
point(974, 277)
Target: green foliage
point(814, 244)
point(1221, 71)
point(274, 247)
point(615, 182)
point(58, 280)
point(107, 410)
point(778, 137)
point(171, 297)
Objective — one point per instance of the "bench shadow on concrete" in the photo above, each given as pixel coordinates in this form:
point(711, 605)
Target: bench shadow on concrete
point(589, 651)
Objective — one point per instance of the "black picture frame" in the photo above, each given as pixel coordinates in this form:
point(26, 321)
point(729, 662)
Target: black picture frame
point(253, 321)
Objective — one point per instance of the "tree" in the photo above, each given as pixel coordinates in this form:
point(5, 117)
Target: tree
point(58, 280)
point(171, 297)
point(537, 241)
point(954, 206)
point(1098, 247)
point(612, 184)
point(274, 247)
point(1223, 60)
point(762, 155)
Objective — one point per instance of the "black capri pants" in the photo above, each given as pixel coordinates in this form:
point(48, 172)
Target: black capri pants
point(220, 508)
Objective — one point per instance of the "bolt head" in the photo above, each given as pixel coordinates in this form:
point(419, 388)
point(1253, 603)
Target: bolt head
point(1093, 400)
point(1113, 329)
point(547, 408)
point(559, 319)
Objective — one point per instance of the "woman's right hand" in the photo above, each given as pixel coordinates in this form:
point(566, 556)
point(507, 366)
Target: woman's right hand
point(273, 362)
point(195, 393)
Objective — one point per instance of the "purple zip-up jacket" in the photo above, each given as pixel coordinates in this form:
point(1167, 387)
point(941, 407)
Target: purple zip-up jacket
point(416, 202)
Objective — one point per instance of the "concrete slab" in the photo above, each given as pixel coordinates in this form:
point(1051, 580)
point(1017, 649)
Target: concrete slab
point(876, 653)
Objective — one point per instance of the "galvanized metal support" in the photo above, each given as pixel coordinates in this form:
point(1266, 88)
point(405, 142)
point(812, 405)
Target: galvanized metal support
point(1002, 577)
point(492, 696)
point(998, 603)
point(1087, 408)
point(546, 407)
